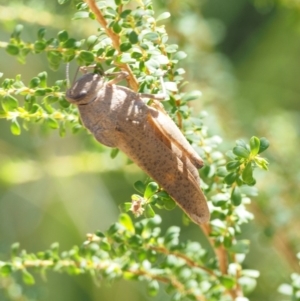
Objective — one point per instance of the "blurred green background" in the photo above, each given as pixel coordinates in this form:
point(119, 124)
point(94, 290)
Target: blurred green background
point(245, 57)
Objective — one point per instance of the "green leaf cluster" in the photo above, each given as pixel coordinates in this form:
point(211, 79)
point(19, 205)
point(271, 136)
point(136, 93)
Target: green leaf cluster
point(134, 251)
point(40, 104)
point(244, 159)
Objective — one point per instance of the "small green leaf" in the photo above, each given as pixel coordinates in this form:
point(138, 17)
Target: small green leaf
point(191, 96)
point(48, 108)
point(43, 79)
point(171, 48)
point(163, 16)
point(91, 40)
point(40, 92)
point(9, 103)
point(133, 37)
point(110, 52)
point(149, 212)
point(117, 28)
point(50, 99)
point(151, 188)
point(114, 152)
point(125, 13)
point(87, 56)
point(264, 144)
point(12, 49)
point(153, 222)
point(63, 36)
point(126, 221)
point(241, 151)
point(151, 36)
point(221, 172)
point(71, 43)
point(247, 174)
point(80, 15)
point(171, 86)
point(236, 196)
point(17, 31)
point(39, 46)
point(27, 278)
point(54, 57)
point(250, 273)
point(76, 127)
point(15, 249)
point(92, 16)
point(169, 203)
point(100, 234)
point(100, 51)
point(63, 103)
point(41, 33)
point(220, 199)
point(125, 46)
point(35, 108)
point(136, 54)
point(139, 186)
point(152, 64)
point(241, 142)
point(15, 127)
point(135, 241)
point(180, 71)
point(172, 235)
point(6, 270)
point(54, 247)
point(114, 229)
point(22, 55)
point(254, 145)
point(227, 241)
point(126, 58)
point(232, 165)
point(180, 55)
point(230, 178)
point(227, 281)
point(104, 245)
point(248, 284)
point(52, 123)
point(34, 82)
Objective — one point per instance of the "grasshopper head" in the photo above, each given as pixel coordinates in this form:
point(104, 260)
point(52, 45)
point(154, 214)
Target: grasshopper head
point(85, 89)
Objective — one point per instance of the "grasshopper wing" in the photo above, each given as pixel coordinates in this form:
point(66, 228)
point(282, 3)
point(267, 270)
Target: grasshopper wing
point(168, 128)
point(152, 146)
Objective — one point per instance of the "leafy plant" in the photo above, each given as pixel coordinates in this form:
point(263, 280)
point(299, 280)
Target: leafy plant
point(133, 39)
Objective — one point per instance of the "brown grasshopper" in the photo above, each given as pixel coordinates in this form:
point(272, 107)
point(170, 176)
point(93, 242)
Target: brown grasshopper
point(118, 117)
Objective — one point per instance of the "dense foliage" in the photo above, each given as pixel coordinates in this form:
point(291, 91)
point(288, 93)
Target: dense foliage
point(132, 37)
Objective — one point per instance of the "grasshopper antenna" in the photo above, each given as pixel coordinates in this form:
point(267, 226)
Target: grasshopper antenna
point(68, 74)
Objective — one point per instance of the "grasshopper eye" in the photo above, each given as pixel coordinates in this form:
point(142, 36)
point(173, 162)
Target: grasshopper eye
point(74, 96)
point(80, 95)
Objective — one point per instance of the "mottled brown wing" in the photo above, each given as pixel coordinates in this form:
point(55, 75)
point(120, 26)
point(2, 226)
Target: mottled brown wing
point(161, 158)
point(168, 128)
